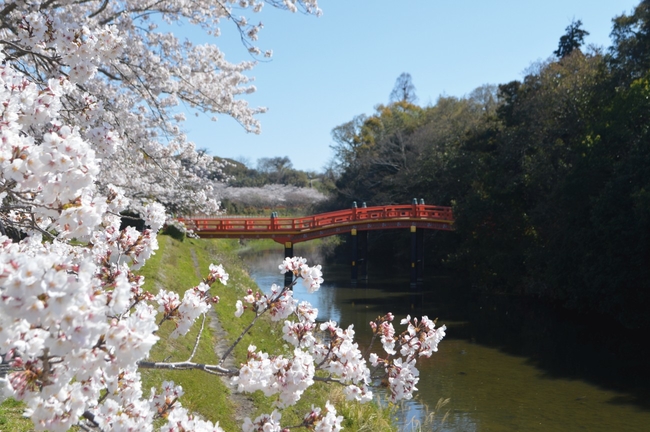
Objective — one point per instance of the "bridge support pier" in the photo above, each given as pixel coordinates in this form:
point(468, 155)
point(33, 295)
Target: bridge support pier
point(420, 255)
point(359, 256)
point(354, 258)
point(417, 256)
point(363, 255)
point(288, 253)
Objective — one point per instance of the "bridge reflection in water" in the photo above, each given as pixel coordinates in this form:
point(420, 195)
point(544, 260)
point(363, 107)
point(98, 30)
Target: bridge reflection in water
point(355, 221)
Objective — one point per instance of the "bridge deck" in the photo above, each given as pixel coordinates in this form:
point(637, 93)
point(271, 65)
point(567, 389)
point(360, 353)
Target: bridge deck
point(283, 229)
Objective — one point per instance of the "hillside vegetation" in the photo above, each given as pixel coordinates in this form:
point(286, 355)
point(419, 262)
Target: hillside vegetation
point(548, 176)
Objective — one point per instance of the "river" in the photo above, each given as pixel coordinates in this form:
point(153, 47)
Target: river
point(505, 365)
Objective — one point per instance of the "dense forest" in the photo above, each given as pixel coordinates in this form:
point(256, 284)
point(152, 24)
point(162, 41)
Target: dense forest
point(548, 176)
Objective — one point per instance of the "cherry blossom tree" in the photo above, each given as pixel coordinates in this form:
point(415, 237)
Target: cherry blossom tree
point(87, 130)
point(269, 195)
point(125, 79)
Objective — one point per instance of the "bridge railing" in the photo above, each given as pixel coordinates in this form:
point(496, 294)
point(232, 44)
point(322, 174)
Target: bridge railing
point(288, 224)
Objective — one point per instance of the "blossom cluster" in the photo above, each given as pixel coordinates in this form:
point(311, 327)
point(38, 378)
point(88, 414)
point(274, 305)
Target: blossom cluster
point(269, 195)
point(420, 339)
point(74, 323)
point(340, 356)
point(312, 277)
point(165, 404)
point(332, 348)
point(286, 377)
point(323, 422)
point(264, 423)
point(74, 319)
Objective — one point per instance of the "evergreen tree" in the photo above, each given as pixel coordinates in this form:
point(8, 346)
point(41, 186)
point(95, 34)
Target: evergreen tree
point(572, 40)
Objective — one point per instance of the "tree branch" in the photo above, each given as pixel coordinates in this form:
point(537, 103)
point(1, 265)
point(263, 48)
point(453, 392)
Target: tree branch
point(7, 9)
point(198, 338)
point(187, 365)
point(100, 10)
point(246, 330)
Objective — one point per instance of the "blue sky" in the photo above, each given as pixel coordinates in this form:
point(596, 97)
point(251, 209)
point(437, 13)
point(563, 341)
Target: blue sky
point(326, 70)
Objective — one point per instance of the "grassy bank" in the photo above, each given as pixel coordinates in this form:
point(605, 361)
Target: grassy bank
point(257, 245)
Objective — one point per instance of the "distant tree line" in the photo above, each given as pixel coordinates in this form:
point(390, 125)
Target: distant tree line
point(549, 176)
point(277, 170)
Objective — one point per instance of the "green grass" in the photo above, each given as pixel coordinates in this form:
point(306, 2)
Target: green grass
point(368, 417)
point(258, 245)
point(173, 268)
point(11, 417)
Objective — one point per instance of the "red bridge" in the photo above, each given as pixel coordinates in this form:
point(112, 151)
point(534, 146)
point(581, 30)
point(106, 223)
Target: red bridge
point(356, 221)
point(300, 229)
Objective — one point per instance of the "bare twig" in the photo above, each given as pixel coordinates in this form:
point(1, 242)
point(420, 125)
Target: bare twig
point(246, 330)
point(198, 338)
point(100, 10)
point(186, 365)
point(329, 379)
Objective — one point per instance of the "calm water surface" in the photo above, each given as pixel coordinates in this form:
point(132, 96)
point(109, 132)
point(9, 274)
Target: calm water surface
point(505, 365)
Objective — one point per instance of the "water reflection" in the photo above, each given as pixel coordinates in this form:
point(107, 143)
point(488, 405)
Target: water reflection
point(505, 365)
